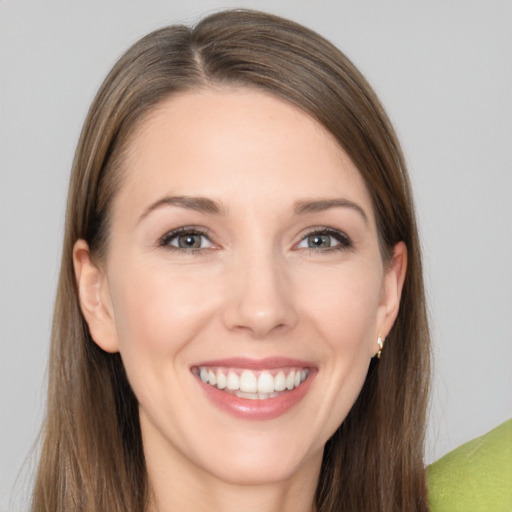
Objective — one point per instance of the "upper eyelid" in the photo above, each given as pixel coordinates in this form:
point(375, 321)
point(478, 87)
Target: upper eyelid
point(172, 233)
point(323, 230)
point(203, 231)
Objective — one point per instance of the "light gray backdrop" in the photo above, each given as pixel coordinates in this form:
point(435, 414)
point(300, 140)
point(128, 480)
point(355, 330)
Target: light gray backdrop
point(444, 72)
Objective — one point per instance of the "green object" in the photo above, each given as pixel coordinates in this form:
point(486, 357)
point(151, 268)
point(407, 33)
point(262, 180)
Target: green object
point(475, 477)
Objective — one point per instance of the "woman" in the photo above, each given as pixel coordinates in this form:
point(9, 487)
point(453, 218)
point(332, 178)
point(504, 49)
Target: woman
point(240, 241)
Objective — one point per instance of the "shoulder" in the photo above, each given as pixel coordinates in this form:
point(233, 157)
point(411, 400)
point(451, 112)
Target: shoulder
point(476, 476)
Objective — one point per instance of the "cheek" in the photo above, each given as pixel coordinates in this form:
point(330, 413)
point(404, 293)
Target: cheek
point(158, 312)
point(343, 315)
point(345, 307)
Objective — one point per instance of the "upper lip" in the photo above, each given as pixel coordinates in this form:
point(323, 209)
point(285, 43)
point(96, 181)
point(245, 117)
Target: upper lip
point(266, 363)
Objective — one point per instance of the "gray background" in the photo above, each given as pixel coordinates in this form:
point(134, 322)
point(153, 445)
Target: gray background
point(442, 69)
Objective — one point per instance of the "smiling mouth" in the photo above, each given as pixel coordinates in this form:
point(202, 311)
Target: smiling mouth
point(250, 384)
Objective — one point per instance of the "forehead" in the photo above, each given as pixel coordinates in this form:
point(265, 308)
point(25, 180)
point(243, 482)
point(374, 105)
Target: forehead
point(236, 143)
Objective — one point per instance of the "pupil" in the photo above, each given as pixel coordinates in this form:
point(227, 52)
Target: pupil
point(319, 241)
point(190, 241)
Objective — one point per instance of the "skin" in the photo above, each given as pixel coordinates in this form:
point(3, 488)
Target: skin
point(254, 289)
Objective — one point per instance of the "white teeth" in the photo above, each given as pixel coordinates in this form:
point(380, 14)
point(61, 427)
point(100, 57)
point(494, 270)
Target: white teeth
point(290, 380)
point(253, 385)
point(248, 382)
point(265, 383)
point(222, 382)
point(249, 396)
point(280, 382)
point(233, 382)
point(253, 396)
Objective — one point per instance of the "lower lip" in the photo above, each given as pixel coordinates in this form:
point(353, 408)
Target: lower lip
point(257, 409)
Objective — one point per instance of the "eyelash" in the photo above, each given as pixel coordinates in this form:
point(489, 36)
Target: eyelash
point(344, 241)
point(166, 240)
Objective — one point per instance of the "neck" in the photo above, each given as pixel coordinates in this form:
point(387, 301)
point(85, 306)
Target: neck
point(225, 497)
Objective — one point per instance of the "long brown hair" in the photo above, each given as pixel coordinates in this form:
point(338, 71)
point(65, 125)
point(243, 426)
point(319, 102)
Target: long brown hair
point(92, 457)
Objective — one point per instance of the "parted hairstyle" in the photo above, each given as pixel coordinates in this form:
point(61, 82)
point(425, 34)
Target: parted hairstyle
point(92, 457)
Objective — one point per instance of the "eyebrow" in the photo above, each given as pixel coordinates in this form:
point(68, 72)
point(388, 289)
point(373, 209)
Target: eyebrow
point(198, 204)
point(319, 205)
point(206, 205)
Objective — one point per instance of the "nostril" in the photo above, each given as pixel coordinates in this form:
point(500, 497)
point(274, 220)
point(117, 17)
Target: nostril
point(260, 329)
point(259, 323)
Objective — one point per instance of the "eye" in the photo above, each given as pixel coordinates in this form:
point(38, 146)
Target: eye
point(191, 239)
point(325, 239)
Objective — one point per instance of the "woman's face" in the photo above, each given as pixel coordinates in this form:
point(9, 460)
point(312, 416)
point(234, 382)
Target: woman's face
point(243, 255)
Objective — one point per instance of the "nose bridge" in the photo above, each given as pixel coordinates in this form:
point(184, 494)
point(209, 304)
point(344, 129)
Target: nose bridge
point(260, 300)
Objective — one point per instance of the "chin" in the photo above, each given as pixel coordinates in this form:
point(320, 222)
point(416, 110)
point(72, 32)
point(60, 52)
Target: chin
point(257, 470)
point(260, 461)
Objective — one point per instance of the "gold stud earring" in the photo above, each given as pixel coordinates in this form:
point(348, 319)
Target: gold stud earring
point(380, 342)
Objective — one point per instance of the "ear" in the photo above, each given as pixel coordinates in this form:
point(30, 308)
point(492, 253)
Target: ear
point(394, 278)
point(94, 297)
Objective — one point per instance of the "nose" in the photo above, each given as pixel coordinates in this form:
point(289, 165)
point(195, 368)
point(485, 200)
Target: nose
point(260, 299)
